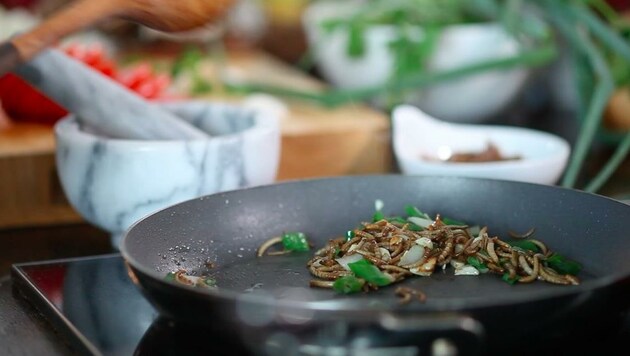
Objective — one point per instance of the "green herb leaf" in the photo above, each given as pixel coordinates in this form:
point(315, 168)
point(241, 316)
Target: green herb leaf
point(524, 245)
point(366, 270)
point(476, 262)
point(563, 265)
point(295, 241)
point(378, 216)
point(411, 210)
point(449, 221)
point(170, 276)
point(348, 284)
point(506, 278)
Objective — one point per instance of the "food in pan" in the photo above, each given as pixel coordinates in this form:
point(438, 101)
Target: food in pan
point(291, 241)
point(389, 249)
point(183, 277)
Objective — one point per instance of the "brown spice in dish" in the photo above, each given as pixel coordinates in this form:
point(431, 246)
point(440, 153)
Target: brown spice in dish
point(490, 154)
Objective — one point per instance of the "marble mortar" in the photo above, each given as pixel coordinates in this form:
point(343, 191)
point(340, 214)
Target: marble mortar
point(113, 183)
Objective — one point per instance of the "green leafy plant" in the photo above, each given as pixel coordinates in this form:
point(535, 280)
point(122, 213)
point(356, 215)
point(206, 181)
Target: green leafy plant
point(595, 34)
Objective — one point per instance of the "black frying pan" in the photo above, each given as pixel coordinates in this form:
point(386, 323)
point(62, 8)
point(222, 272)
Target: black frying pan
point(470, 313)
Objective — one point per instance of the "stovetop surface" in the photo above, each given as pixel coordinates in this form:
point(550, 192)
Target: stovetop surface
point(93, 303)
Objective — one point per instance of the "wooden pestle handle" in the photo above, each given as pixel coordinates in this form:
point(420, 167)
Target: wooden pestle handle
point(76, 16)
point(164, 15)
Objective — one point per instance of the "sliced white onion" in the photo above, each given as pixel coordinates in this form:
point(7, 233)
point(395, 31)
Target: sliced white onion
point(456, 264)
point(420, 221)
point(426, 269)
point(384, 254)
point(411, 256)
point(466, 270)
point(345, 260)
point(378, 205)
point(474, 230)
point(425, 242)
point(352, 247)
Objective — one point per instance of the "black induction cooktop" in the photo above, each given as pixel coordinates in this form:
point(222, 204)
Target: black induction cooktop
point(95, 306)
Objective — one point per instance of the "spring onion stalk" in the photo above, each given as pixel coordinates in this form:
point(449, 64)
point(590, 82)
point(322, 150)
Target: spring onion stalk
point(605, 9)
point(602, 31)
point(603, 89)
point(611, 166)
point(332, 98)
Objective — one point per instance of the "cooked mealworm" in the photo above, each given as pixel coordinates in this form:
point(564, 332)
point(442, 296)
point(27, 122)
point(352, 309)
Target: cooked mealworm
point(345, 246)
point(263, 248)
point(368, 256)
point(541, 246)
point(328, 275)
point(320, 284)
point(533, 274)
point(396, 269)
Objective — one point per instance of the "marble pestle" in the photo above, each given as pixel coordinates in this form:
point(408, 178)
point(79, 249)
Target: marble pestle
point(100, 103)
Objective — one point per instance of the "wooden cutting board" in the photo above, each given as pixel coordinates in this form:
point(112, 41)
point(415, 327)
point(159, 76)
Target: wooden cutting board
point(316, 142)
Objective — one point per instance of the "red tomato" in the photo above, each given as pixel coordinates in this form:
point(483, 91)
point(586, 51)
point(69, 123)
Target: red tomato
point(22, 102)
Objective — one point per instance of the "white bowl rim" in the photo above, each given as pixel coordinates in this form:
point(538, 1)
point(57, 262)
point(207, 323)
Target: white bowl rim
point(311, 17)
point(561, 153)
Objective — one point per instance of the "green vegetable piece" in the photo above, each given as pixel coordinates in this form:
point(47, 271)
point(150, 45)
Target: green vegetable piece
point(349, 235)
point(209, 282)
point(187, 61)
point(524, 245)
point(563, 265)
point(201, 86)
point(170, 276)
point(475, 262)
point(348, 284)
point(506, 278)
point(411, 210)
point(295, 241)
point(356, 40)
point(366, 270)
point(397, 219)
point(378, 216)
point(449, 221)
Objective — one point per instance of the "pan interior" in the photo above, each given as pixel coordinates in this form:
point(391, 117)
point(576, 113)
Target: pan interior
point(226, 229)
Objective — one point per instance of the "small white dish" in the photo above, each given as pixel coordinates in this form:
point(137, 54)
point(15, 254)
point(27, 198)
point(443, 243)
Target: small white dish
point(422, 144)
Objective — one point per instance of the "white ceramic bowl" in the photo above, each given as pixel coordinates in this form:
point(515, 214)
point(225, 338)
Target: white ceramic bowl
point(471, 99)
point(417, 136)
point(112, 182)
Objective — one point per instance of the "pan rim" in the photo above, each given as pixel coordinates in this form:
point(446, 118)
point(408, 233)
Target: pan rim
point(341, 306)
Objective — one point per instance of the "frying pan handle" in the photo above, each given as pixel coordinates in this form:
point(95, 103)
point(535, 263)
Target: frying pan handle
point(445, 334)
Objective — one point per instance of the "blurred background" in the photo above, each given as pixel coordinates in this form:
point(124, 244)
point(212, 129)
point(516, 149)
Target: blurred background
point(337, 69)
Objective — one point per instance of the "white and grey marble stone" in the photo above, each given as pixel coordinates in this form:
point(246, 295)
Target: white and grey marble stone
point(113, 183)
point(100, 102)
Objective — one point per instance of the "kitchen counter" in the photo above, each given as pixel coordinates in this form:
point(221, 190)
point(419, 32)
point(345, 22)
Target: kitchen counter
point(23, 331)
